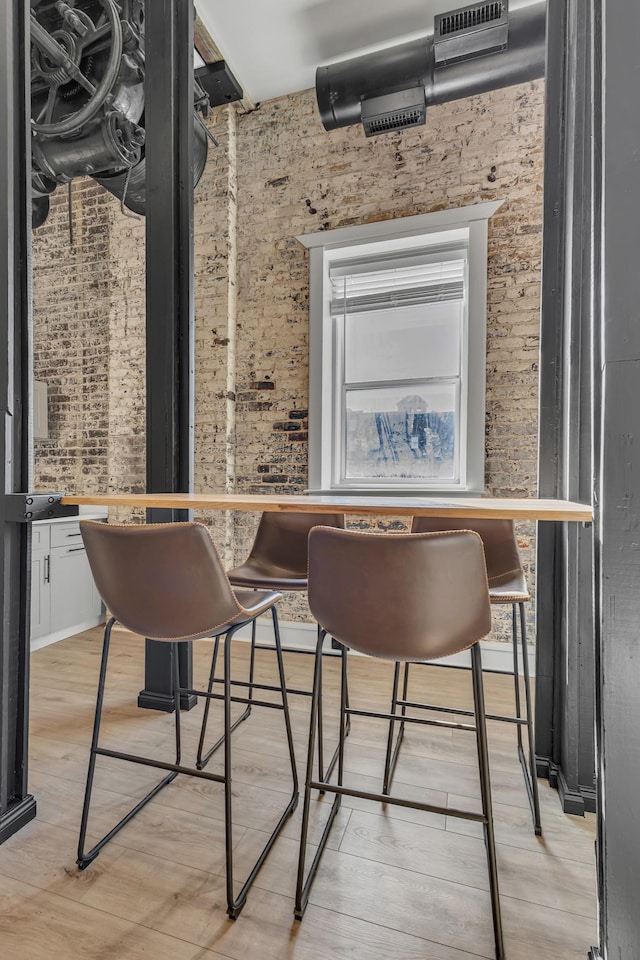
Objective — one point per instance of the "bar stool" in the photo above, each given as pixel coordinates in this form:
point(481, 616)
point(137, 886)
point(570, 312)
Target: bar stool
point(507, 585)
point(278, 560)
point(166, 582)
point(407, 597)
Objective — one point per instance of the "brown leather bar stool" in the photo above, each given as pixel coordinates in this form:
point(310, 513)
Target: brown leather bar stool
point(166, 582)
point(398, 597)
point(278, 561)
point(507, 585)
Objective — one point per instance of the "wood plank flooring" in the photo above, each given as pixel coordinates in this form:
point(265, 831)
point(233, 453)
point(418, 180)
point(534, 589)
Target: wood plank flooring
point(395, 883)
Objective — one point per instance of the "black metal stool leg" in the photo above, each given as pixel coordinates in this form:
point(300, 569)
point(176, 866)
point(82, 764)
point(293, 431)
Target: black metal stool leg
point(228, 809)
point(344, 718)
point(326, 774)
point(485, 789)
point(203, 760)
point(391, 758)
point(176, 693)
point(303, 886)
point(285, 702)
point(319, 709)
point(235, 905)
point(84, 859)
point(516, 674)
point(531, 779)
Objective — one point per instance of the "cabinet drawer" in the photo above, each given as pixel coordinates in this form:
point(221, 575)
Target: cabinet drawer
point(40, 537)
point(66, 534)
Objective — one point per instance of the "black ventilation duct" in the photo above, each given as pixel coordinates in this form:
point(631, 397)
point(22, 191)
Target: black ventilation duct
point(479, 48)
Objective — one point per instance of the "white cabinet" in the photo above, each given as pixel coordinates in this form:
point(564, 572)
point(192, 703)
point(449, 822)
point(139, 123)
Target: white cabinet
point(64, 599)
point(40, 587)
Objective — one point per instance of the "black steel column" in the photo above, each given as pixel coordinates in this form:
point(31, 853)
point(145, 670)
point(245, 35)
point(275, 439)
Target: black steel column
point(169, 259)
point(618, 486)
point(565, 654)
point(16, 806)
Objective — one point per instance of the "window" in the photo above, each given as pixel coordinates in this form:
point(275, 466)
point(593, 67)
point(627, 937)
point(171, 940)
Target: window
point(397, 354)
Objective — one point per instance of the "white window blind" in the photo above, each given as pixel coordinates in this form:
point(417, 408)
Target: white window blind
point(363, 286)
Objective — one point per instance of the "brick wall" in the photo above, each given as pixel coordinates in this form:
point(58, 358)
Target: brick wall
point(277, 174)
point(71, 291)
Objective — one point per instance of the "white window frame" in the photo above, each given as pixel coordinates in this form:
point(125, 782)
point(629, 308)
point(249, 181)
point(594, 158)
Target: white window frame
point(325, 379)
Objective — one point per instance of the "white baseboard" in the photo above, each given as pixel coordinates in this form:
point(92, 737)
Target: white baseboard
point(302, 636)
point(58, 635)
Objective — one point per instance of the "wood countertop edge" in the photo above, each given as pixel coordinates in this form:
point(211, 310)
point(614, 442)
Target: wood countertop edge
point(472, 508)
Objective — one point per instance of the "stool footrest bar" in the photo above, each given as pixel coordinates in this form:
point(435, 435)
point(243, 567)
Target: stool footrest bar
point(397, 801)
point(350, 711)
point(176, 768)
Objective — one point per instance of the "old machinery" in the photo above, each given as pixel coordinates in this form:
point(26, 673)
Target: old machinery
point(87, 99)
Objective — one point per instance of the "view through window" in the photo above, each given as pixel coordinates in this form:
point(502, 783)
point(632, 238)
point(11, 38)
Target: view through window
point(400, 328)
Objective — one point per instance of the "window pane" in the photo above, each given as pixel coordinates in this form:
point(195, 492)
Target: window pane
point(404, 344)
point(401, 432)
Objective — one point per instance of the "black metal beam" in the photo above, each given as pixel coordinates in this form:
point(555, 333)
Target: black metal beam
point(548, 562)
point(169, 288)
point(618, 485)
point(565, 653)
point(17, 807)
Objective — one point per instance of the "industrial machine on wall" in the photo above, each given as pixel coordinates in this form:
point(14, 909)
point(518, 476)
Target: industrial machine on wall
point(87, 100)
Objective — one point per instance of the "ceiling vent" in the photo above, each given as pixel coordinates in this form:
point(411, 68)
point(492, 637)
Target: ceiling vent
point(394, 111)
point(471, 31)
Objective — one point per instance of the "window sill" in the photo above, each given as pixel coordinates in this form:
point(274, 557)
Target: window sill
point(378, 492)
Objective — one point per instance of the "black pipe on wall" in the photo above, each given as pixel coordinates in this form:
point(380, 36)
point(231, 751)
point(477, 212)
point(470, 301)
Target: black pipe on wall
point(341, 87)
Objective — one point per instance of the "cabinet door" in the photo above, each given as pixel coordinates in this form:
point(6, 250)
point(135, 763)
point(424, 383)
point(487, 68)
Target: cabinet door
point(40, 595)
point(40, 586)
point(74, 599)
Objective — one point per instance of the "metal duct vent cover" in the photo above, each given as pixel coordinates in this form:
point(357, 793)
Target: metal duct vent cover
point(394, 111)
point(471, 31)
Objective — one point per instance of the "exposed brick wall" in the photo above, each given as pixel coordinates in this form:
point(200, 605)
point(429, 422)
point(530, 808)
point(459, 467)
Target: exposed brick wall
point(276, 174)
point(294, 178)
point(72, 288)
point(216, 260)
point(127, 355)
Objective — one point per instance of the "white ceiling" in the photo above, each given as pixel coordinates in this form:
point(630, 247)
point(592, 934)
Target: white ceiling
point(274, 46)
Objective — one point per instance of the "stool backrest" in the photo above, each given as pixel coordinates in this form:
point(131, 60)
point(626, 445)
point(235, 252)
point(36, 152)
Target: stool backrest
point(282, 539)
point(498, 538)
point(400, 596)
point(164, 581)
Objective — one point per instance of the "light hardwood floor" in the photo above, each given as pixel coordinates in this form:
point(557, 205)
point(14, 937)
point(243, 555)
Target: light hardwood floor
point(395, 884)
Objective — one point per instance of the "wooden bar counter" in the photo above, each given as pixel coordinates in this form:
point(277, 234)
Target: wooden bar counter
point(459, 507)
